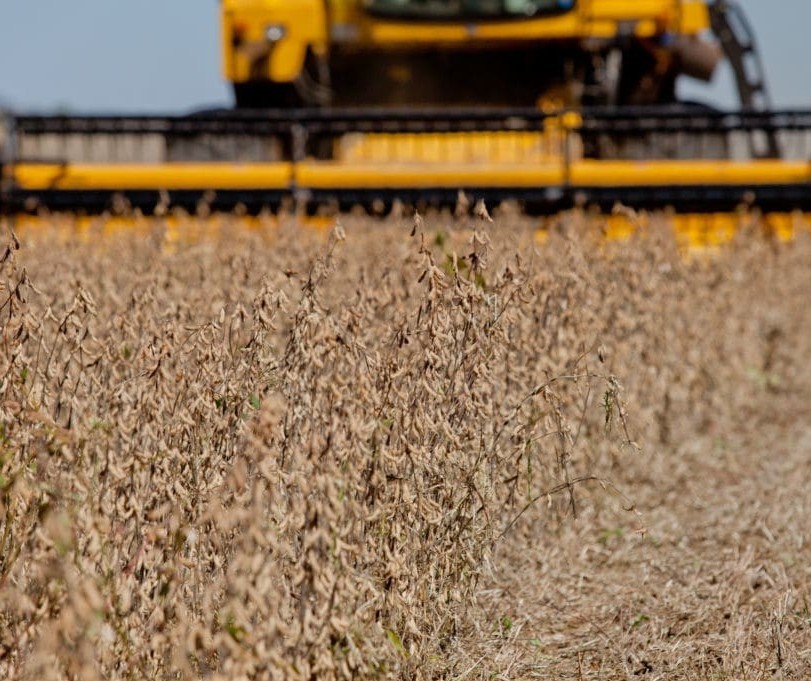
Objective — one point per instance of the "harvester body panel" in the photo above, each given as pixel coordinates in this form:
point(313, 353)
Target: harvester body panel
point(367, 52)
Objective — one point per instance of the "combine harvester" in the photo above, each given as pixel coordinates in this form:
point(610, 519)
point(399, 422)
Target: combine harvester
point(552, 103)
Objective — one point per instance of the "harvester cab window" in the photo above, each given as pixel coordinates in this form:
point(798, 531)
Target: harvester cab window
point(467, 9)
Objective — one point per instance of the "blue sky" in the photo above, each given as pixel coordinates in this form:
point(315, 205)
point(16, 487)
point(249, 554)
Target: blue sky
point(163, 55)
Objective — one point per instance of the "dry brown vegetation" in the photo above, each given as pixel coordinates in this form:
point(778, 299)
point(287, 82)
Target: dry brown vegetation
point(456, 454)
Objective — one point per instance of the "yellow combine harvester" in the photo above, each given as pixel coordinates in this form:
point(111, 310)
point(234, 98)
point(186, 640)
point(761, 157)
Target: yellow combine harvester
point(550, 102)
point(566, 53)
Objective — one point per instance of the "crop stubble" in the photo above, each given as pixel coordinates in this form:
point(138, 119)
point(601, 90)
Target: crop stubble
point(375, 455)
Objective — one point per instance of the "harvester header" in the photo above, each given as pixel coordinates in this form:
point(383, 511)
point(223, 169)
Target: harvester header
point(552, 103)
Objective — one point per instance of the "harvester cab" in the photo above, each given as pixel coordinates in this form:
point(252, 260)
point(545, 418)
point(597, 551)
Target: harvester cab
point(366, 53)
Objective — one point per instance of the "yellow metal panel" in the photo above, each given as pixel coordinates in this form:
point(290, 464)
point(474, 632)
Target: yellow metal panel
point(253, 56)
point(699, 232)
point(287, 60)
point(781, 226)
point(171, 176)
point(663, 173)
point(651, 16)
point(562, 27)
point(694, 17)
point(377, 174)
point(568, 27)
point(595, 19)
point(308, 25)
point(618, 227)
point(343, 11)
point(507, 147)
point(326, 175)
point(631, 10)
